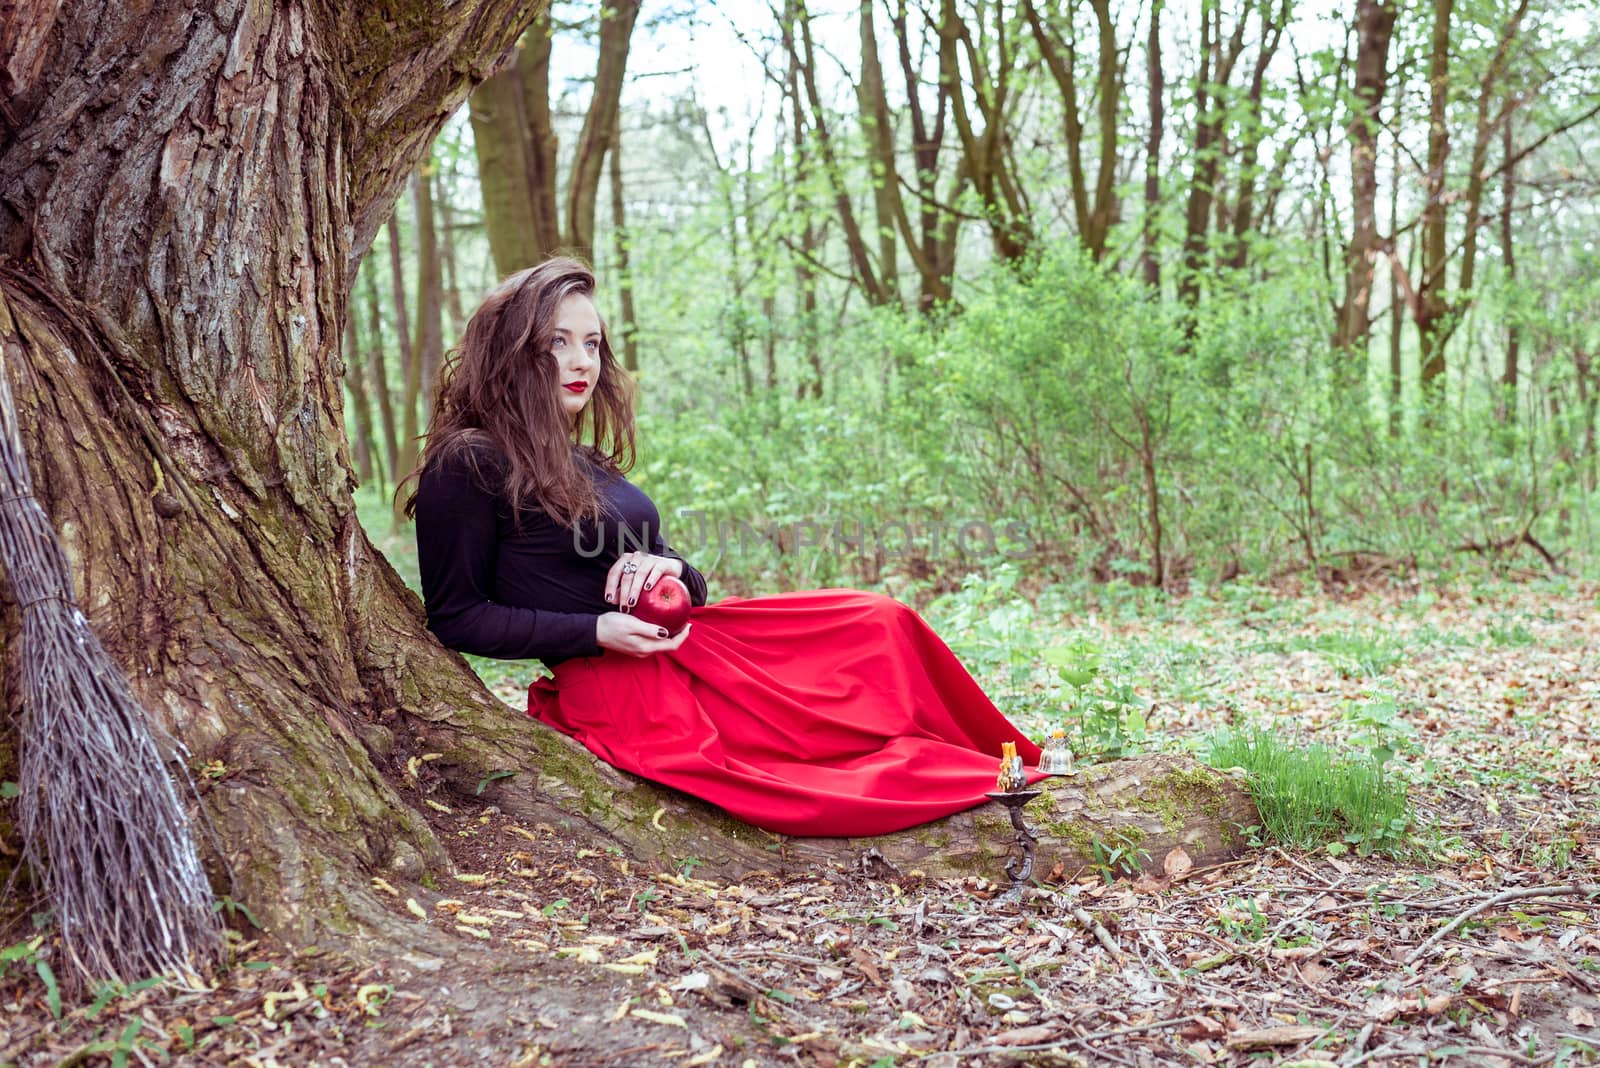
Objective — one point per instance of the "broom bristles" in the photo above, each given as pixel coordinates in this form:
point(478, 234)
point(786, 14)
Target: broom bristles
point(100, 820)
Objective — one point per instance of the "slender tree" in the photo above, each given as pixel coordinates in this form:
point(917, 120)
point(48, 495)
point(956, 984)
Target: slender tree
point(1374, 27)
point(1508, 256)
point(1093, 209)
point(1216, 62)
point(1155, 91)
point(628, 331)
point(803, 61)
point(429, 344)
point(514, 132)
point(410, 427)
point(378, 378)
point(360, 408)
point(877, 128)
point(617, 19)
point(443, 187)
point(985, 149)
point(805, 255)
point(932, 242)
point(1430, 308)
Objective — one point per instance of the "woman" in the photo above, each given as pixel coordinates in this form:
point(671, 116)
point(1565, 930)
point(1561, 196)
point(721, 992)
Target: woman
point(827, 712)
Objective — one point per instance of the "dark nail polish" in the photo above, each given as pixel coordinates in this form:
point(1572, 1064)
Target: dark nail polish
point(632, 601)
point(610, 598)
point(661, 632)
point(647, 585)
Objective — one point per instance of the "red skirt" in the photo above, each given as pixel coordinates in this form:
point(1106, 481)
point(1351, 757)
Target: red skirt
point(823, 713)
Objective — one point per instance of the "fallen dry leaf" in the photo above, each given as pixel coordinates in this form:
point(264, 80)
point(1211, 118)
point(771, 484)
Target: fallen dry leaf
point(1027, 1036)
point(1176, 863)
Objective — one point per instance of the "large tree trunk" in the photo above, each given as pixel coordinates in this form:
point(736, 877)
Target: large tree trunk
point(176, 366)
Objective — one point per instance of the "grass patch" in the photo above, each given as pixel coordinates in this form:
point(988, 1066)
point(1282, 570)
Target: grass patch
point(1355, 652)
point(1315, 797)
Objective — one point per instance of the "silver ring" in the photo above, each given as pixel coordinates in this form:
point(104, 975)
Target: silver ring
point(629, 568)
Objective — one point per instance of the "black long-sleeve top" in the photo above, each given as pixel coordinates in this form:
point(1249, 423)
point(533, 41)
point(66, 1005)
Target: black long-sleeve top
point(524, 587)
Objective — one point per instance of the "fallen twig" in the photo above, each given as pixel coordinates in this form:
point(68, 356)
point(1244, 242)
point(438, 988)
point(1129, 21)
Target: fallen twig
point(1570, 889)
point(1101, 935)
point(1070, 1040)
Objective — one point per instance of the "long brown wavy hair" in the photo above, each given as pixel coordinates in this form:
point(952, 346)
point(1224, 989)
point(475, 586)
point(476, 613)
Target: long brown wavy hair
point(498, 388)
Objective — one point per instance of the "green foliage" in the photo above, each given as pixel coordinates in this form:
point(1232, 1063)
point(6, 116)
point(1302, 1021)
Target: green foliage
point(1313, 796)
point(1355, 652)
point(1102, 715)
point(30, 954)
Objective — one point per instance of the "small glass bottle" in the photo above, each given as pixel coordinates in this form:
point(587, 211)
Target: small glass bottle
point(1056, 758)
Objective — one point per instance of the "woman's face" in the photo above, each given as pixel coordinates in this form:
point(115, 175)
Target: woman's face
point(576, 347)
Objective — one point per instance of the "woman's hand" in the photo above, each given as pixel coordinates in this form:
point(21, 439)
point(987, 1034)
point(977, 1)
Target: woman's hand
point(633, 573)
point(633, 636)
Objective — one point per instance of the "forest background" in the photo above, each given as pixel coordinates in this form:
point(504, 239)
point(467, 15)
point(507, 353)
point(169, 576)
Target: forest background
point(1216, 299)
point(929, 293)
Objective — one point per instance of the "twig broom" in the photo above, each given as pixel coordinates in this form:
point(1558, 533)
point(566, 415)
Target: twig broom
point(100, 820)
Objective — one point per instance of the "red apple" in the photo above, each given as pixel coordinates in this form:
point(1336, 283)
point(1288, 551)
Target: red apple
point(666, 604)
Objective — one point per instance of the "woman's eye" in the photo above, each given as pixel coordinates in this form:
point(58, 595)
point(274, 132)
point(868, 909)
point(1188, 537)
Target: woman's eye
point(558, 343)
point(592, 346)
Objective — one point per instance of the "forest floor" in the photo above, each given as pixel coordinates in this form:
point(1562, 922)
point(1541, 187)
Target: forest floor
point(1479, 945)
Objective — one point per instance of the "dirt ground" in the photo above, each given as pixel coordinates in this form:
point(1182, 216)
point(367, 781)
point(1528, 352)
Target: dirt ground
point(1481, 947)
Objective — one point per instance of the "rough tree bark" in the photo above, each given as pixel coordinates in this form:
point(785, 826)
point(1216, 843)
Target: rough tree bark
point(176, 365)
